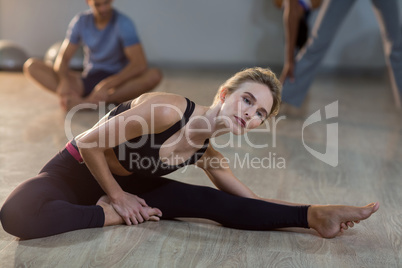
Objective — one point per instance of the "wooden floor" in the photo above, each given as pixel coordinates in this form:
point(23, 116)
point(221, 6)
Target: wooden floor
point(32, 130)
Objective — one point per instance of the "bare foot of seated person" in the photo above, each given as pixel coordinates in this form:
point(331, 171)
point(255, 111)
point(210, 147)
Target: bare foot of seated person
point(113, 218)
point(330, 221)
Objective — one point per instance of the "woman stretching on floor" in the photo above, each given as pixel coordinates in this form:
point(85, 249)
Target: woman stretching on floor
point(129, 150)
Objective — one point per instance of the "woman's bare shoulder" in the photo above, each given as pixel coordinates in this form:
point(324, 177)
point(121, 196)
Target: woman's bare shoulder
point(162, 109)
point(160, 98)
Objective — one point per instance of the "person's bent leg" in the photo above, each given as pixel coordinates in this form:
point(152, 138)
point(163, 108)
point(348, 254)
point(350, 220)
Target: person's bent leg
point(70, 89)
point(41, 73)
point(136, 86)
point(388, 16)
point(308, 60)
point(43, 206)
point(61, 198)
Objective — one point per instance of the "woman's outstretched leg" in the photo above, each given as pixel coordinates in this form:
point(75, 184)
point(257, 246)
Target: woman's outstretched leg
point(176, 199)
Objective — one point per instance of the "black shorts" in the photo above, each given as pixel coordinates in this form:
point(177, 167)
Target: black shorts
point(91, 79)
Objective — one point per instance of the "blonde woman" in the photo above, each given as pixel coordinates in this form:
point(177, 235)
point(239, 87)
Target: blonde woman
point(113, 173)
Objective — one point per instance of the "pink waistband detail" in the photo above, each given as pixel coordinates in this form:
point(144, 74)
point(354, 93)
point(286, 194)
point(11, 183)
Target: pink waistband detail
point(74, 152)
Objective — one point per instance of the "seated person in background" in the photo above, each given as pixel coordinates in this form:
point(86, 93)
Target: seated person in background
point(295, 16)
point(115, 67)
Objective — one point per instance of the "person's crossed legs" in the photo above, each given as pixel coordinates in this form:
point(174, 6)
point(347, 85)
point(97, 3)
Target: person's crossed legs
point(72, 91)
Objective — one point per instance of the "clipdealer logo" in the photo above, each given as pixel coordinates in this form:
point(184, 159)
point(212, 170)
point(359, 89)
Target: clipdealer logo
point(330, 156)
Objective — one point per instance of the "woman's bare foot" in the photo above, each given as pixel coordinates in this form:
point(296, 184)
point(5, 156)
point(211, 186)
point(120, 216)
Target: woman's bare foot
point(113, 218)
point(329, 221)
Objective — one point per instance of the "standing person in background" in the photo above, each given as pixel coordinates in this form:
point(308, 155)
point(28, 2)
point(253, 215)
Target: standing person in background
point(115, 66)
point(297, 78)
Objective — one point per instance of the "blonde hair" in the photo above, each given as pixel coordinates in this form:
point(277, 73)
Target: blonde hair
point(258, 75)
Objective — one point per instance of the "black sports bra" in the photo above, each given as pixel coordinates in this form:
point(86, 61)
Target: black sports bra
point(141, 154)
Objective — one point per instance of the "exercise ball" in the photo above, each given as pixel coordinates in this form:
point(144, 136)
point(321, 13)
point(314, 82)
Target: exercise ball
point(76, 62)
point(12, 56)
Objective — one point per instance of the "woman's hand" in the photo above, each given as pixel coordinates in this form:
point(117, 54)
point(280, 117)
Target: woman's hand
point(133, 209)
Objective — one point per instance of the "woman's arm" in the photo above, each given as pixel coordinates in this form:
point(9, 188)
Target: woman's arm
point(219, 172)
point(132, 123)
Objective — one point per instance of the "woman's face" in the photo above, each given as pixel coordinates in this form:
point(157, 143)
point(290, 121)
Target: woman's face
point(246, 108)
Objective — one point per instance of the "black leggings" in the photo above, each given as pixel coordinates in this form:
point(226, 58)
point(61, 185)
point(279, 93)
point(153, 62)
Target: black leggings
point(62, 198)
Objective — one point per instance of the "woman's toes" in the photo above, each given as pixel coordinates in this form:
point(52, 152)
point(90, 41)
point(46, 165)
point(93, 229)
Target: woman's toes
point(376, 206)
point(344, 226)
point(153, 218)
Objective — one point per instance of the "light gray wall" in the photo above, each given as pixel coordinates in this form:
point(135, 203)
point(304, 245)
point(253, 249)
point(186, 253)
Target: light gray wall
point(197, 33)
